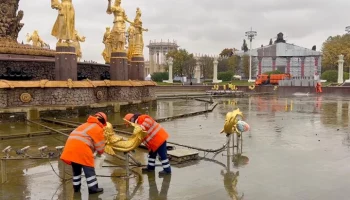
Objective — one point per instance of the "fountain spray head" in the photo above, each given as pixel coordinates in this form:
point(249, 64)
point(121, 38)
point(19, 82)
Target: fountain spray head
point(59, 149)
point(23, 151)
point(42, 150)
point(7, 151)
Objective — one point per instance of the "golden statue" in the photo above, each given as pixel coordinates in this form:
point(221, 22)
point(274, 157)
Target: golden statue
point(115, 143)
point(131, 34)
point(138, 36)
point(119, 27)
point(108, 45)
point(76, 43)
point(64, 27)
point(36, 39)
point(231, 122)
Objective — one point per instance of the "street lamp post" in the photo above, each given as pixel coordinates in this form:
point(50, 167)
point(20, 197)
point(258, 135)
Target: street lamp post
point(250, 34)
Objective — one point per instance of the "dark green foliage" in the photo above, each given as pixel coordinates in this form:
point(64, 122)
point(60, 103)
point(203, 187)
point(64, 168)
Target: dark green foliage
point(160, 76)
point(332, 76)
point(225, 76)
point(274, 72)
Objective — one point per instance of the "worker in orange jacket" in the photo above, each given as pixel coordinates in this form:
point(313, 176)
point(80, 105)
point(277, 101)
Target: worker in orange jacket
point(318, 87)
point(155, 141)
point(79, 151)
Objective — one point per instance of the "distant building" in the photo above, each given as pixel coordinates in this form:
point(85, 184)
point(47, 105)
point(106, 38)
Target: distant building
point(157, 54)
point(147, 69)
point(300, 62)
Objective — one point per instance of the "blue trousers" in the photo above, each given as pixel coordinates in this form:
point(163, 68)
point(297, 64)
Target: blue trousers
point(89, 175)
point(162, 152)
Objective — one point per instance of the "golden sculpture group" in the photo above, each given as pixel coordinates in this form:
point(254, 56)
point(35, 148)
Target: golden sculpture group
point(114, 40)
point(10, 26)
point(115, 143)
point(36, 39)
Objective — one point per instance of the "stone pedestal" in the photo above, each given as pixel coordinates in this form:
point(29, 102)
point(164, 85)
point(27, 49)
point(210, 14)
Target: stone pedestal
point(137, 69)
point(65, 64)
point(119, 66)
point(340, 69)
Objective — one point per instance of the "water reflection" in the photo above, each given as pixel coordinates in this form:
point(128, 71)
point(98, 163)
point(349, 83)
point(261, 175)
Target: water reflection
point(238, 159)
point(153, 189)
point(122, 185)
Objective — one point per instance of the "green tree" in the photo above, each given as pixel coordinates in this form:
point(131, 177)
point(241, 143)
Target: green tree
point(245, 46)
point(206, 64)
point(233, 63)
point(245, 65)
point(190, 66)
point(332, 48)
point(226, 52)
point(270, 43)
point(180, 58)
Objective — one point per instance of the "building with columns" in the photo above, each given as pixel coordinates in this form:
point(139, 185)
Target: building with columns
point(157, 54)
point(147, 69)
point(300, 62)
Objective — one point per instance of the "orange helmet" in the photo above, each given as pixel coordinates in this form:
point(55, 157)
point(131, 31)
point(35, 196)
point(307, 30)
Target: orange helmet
point(102, 115)
point(128, 116)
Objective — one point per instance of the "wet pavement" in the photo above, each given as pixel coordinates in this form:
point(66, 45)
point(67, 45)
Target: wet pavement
point(298, 148)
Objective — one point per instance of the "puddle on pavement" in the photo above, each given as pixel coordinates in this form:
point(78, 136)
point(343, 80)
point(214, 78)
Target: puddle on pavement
point(297, 149)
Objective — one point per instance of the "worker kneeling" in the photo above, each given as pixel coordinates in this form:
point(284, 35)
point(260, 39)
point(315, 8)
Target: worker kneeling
point(79, 151)
point(155, 141)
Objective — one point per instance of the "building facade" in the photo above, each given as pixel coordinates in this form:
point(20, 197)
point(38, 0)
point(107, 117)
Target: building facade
point(157, 54)
point(300, 62)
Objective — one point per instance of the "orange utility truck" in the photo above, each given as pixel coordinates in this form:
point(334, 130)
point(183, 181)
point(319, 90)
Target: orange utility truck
point(272, 79)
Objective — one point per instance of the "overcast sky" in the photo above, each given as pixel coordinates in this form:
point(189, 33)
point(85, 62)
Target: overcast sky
point(200, 26)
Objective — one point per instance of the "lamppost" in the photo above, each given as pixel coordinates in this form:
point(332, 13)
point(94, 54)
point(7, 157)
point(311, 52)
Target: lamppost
point(250, 34)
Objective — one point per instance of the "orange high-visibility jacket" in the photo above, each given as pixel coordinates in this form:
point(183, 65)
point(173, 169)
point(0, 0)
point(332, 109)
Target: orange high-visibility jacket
point(83, 142)
point(156, 133)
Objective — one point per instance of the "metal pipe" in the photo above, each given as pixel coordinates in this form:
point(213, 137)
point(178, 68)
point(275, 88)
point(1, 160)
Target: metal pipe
point(51, 129)
point(127, 165)
point(3, 171)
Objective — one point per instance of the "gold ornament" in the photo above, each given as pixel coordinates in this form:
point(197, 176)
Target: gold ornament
point(115, 143)
point(64, 27)
point(25, 97)
point(99, 95)
point(231, 122)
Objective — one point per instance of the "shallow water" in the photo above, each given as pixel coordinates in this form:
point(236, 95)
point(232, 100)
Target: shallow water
point(298, 148)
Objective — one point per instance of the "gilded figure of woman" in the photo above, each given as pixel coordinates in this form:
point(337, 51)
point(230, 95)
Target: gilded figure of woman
point(107, 42)
point(64, 27)
point(76, 43)
point(131, 43)
point(138, 35)
point(119, 27)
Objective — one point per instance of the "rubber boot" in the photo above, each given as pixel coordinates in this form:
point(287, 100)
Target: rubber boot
point(146, 170)
point(164, 173)
point(95, 190)
point(76, 188)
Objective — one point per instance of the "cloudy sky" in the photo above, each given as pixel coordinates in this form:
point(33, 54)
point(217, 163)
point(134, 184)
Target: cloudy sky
point(200, 26)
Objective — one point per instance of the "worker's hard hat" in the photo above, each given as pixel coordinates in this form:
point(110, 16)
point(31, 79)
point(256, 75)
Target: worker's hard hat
point(128, 116)
point(103, 116)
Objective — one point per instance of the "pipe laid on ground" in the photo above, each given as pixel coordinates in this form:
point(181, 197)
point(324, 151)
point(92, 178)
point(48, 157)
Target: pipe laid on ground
point(51, 129)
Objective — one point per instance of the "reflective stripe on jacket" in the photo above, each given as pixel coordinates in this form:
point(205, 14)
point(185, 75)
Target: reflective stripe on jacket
point(83, 142)
point(156, 133)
